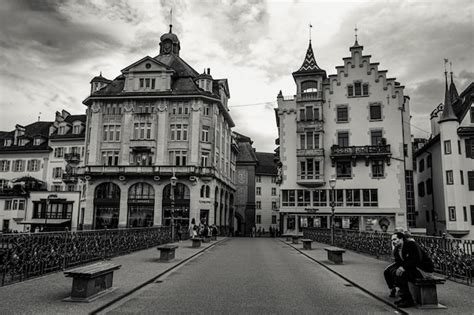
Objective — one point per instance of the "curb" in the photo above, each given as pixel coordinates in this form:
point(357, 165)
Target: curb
point(140, 286)
point(401, 311)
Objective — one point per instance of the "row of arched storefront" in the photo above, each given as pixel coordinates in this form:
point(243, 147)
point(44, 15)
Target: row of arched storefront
point(141, 206)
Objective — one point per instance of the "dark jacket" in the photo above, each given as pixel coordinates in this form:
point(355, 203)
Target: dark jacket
point(413, 256)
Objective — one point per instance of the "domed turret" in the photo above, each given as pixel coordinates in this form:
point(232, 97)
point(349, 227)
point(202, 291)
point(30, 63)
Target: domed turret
point(169, 43)
point(204, 80)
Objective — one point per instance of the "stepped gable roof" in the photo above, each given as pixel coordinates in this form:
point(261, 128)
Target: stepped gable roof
point(266, 164)
point(309, 65)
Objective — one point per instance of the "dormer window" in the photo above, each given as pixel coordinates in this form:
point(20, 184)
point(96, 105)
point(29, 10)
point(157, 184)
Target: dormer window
point(76, 129)
point(23, 142)
point(62, 130)
point(37, 141)
point(358, 89)
point(7, 142)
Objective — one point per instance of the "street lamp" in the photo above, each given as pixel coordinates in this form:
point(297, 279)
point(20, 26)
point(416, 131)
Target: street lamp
point(332, 184)
point(173, 181)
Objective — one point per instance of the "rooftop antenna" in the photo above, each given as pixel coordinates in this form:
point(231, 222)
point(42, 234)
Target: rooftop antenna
point(39, 116)
point(310, 27)
point(171, 19)
point(355, 31)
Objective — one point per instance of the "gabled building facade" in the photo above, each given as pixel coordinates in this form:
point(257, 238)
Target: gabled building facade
point(444, 174)
point(354, 126)
point(158, 146)
point(267, 193)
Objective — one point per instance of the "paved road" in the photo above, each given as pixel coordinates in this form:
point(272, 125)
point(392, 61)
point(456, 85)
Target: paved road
point(251, 276)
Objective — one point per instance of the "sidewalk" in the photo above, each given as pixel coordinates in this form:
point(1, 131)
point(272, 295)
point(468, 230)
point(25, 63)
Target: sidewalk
point(44, 295)
point(367, 272)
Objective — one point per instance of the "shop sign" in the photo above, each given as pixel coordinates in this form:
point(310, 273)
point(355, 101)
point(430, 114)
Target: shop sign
point(346, 223)
point(311, 210)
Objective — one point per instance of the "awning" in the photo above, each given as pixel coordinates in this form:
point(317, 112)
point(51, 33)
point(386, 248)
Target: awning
point(42, 221)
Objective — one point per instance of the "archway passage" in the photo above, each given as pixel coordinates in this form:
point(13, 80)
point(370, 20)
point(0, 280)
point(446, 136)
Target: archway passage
point(177, 208)
point(106, 206)
point(141, 204)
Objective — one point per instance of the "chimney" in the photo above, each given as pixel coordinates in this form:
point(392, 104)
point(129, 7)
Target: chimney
point(209, 71)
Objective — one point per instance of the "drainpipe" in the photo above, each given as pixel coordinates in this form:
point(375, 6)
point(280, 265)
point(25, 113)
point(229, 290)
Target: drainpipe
point(402, 109)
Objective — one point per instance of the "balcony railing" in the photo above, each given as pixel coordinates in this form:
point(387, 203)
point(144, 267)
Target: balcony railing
point(309, 123)
point(366, 151)
point(310, 152)
point(309, 96)
point(69, 178)
point(146, 170)
point(72, 157)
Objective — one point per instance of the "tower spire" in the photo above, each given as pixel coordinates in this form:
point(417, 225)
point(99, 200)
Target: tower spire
point(448, 112)
point(171, 20)
point(310, 27)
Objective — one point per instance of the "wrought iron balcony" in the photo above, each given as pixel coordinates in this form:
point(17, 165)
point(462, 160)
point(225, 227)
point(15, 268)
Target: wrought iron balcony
point(69, 178)
point(72, 157)
point(146, 170)
point(310, 152)
point(310, 180)
point(368, 152)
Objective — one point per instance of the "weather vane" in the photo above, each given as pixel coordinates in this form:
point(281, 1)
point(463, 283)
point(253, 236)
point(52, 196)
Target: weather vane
point(171, 19)
point(310, 27)
point(445, 62)
point(355, 30)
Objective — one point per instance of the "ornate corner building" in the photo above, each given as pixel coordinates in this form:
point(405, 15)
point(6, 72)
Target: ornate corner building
point(354, 126)
point(159, 119)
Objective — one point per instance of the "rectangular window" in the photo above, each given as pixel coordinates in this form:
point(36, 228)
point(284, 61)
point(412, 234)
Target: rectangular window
point(302, 141)
point(142, 83)
point(178, 158)
point(350, 90)
point(59, 152)
point(320, 198)
point(4, 166)
point(258, 204)
point(353, 197)
point(357, 88)
point(274, 205)
point(472, 114)
point(258, 191)
point(57, 172)
point(427, 215)
point(33, 165)
point(365, 89)
point(429, 186)
point(343, 169)
point(447, 147)
point(309, 140)
point(370, 197)
point(377, 169)
point(76, 129)
point(472, 214)
point(288, 198)
point(259, 219)
point(343, 139)
point(258, 179)
point(375, 112)
point(205, 134)
point(273, 180)
point(461, 175)
point(464, 212)
point(274, 191)
point(421, 189)
point(18, 166)
point(421, 166)
point(37, 141)
point(179, 132)
point(459, 147)
point(142, 131)
point(469, 148)
point(449, 178)
point(8, 204)
point(376, 137)
point(303, 198)
point(152, 84)
point(342, 114)
point(470, 180)
point(111, 133)
point(110, 158)
point(316, 113)
point(452, 213)
point(274, 219)
point(204, 159)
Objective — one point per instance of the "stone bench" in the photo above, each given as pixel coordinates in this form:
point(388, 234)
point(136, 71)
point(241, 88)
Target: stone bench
point(424, 291)
point(167, 251)
point(295, 239)
point(90, 282)
point(196, 242)
point(206, 239)
point(307, 243)
point(335, 254)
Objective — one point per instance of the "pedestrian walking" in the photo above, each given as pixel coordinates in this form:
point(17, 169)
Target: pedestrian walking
point(179, 232)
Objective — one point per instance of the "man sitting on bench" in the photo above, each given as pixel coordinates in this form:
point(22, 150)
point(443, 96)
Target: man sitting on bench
point(409, 259)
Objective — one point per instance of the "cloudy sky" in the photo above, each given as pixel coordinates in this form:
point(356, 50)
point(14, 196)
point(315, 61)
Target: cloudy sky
point(50, 50)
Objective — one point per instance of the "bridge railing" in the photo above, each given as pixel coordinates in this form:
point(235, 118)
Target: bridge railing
point(24, 256)
point(452, 257)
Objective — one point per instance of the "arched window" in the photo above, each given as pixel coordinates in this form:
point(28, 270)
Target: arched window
point(106, 206)
point(141, 191)
point(141, 204)
point(309, 86)
point(176, 208)
point(107, 191)
point(208, 191)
